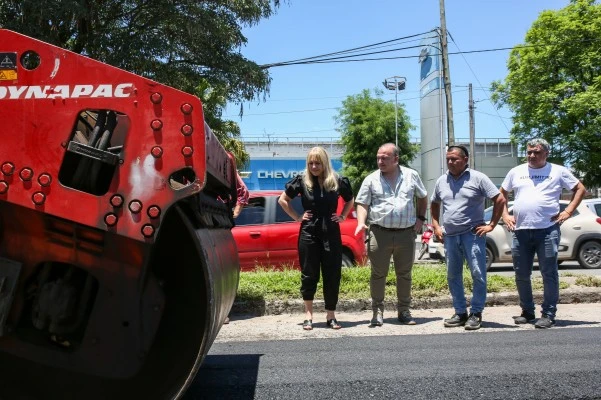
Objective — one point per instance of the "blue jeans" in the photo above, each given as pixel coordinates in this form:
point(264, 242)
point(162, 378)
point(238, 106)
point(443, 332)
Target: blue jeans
point(471, 248)
point(544, 243)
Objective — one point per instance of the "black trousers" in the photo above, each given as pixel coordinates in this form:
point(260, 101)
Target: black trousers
point(320, 250)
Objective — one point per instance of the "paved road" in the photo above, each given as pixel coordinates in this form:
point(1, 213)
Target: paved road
point(567, 267)
point(499, 362)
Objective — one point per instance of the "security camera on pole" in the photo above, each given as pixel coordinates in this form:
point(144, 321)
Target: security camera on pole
point(395, 83)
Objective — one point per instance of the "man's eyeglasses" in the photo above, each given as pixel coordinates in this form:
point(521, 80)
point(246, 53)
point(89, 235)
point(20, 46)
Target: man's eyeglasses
point(535, 152)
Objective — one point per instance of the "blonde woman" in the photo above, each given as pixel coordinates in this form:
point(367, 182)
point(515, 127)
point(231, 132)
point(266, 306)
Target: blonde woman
point(319, 243)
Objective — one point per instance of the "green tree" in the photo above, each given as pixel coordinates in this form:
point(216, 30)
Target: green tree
point(554, 87)
point(192, 45)
point(366, 123)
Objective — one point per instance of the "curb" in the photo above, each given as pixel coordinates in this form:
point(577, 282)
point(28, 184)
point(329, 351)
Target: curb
point(572, 295)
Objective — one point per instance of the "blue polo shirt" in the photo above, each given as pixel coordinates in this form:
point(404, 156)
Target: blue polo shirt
point(462, 200)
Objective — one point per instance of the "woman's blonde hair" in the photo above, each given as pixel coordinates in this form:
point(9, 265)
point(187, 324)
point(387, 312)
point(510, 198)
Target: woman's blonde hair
point(330, 179)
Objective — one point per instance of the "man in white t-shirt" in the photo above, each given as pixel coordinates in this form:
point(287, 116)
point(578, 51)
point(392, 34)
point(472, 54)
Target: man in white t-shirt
point(535, 222)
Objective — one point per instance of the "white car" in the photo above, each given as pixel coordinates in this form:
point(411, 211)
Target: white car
point(580, 237)
point(594, 205)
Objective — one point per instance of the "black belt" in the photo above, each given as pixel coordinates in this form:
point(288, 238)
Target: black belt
point(393, 229)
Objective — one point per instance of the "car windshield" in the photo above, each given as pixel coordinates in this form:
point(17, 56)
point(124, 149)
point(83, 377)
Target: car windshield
point(253, 213)
point(487, 214)
point(595, 205)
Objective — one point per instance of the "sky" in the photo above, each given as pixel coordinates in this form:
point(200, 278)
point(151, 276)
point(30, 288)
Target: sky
point(304, 99)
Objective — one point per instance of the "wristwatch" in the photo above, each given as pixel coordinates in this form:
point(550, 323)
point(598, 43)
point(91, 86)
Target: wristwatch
point(421, 218)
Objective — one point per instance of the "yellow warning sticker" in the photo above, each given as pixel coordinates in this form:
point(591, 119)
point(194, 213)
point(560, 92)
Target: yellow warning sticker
point(8, 74)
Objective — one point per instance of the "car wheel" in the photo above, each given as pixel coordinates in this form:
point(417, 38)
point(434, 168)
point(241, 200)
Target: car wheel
point(347, 261)
point(490, 257)
point(589, 254)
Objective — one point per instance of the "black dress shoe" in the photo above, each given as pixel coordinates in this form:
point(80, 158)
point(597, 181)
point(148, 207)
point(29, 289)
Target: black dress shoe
point(456, 320)
point(377, 319)
point(406, 318)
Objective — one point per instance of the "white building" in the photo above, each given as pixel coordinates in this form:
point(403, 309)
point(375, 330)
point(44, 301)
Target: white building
point(274, 162)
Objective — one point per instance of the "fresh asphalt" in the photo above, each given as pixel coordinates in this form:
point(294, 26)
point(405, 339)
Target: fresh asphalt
point(511, 363)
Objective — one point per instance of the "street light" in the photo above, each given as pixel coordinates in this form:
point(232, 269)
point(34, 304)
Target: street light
point(395, 83)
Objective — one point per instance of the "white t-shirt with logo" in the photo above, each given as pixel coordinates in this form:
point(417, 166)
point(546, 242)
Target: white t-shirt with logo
point(537, 192)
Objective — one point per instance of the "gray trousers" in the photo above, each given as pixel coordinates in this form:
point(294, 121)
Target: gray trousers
point(384, 244)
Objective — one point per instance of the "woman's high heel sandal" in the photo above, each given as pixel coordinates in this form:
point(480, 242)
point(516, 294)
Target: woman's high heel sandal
point(308, 324)
point(332, 323)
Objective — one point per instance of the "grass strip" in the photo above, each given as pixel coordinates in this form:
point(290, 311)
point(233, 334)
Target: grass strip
point(427, 281)
point(588, 281)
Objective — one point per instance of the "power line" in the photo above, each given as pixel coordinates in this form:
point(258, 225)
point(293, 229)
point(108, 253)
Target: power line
point(285, 134)
point(493, 115)
point(345, 59)
point(319, 109)
point(289, 112)
point(478, 80)
point(374, 45)
point(386, 94)
point(339, 58)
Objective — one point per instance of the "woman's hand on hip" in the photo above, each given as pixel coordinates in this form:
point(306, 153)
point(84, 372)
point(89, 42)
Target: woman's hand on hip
point(338, 218)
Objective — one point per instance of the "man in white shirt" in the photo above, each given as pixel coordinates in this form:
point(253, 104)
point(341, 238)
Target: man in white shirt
point(535, 222)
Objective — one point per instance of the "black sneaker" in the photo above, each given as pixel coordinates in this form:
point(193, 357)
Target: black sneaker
point(525, 318)
point(544, 322)
point(474, 321)
point(406, 318)
point(456, 320)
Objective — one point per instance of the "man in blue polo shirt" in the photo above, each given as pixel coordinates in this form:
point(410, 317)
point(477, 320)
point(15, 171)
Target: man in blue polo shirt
point(462, 192)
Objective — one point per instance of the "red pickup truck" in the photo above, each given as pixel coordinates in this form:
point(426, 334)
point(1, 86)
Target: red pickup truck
point(267, 237)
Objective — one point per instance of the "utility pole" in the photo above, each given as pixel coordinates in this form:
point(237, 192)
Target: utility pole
point(446, 75)
point(472, 128)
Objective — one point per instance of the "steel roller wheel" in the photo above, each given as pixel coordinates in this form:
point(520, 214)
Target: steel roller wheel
point(197, 270)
